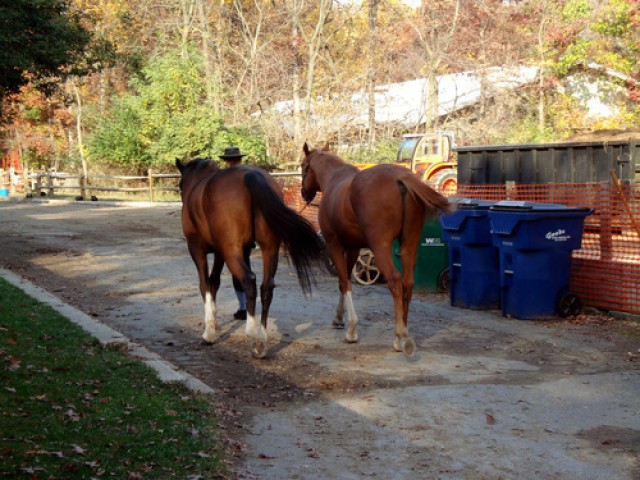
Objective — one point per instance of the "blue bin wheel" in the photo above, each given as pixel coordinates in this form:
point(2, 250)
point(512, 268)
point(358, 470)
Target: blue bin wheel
point(569, 305)
point(444, 280)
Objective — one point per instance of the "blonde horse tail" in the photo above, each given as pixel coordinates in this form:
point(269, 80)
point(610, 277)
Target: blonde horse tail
point(432, 201)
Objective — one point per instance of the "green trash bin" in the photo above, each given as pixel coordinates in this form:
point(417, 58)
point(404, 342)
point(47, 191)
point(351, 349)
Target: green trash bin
point(432, 266)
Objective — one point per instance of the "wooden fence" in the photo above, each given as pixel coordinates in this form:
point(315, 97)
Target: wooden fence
point(51, 184)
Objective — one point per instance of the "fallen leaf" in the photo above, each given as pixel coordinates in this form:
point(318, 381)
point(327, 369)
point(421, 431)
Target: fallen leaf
point(610, 441)
point(490, 419)
point(79, 450)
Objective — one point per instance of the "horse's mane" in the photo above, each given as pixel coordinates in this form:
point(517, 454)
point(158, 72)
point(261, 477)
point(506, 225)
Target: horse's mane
point(200, 163)
point(331, 157)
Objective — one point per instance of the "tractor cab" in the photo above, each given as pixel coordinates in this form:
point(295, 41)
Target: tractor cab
point(420, 150)
point(430, 156)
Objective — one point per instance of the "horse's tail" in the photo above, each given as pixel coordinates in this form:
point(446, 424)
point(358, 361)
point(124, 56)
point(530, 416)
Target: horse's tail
point(433, 201)
point(306, 248)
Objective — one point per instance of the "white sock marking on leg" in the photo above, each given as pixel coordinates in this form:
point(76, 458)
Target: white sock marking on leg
point(251, 328)
point(352, 316)
point(209, 318)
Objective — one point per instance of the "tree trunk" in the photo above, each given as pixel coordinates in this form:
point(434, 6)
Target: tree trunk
point(76, 93)
point(371, 69)
point(205, 35)
point(314, 44)
point(295, 74)
point(541, 105)
point(185, 28)
point(436, 34)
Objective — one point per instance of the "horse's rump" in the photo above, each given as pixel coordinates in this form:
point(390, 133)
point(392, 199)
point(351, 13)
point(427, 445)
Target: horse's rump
point(391, 195)
point(433, 201)
point(215, 205)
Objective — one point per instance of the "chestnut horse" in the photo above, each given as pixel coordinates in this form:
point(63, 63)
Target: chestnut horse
point(224, 211)
point(370, 209)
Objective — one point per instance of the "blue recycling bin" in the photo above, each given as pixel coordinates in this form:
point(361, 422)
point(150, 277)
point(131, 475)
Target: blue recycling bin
point(535, 241)
point(474, 267)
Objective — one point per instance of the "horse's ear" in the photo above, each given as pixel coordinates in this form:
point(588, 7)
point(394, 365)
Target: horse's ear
point(179, 165)
point(306, 149)
point(326, 147)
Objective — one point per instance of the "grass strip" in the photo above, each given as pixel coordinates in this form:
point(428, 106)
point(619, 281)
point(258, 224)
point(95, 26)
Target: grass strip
point(70, 408)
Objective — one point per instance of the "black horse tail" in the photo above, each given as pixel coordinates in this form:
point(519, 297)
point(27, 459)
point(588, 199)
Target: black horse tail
point(306, 248)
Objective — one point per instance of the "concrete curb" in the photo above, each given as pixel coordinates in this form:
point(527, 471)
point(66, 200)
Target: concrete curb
point(166, 371)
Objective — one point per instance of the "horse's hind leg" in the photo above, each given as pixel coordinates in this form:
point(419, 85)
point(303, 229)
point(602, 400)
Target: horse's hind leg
point(408, 255)
point(346, 299)
point(344, 266)
point(403, 342)
point(198, 253)
point(270, 266)
point(242, 272)
point(210, 310)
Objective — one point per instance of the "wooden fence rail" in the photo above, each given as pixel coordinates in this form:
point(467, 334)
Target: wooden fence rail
point(51, 183)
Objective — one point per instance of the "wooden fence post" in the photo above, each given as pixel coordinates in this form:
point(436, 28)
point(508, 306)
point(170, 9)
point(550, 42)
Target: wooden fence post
point(38, 185)
point(12, 181)
point(151, 196)
point(50, 184)
point(606, 228)
point(83, 185)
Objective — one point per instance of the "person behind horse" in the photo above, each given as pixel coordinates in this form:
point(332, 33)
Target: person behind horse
point(233, 157)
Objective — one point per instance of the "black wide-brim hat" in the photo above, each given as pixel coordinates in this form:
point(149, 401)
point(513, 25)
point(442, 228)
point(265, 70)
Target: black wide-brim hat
point(231, 153)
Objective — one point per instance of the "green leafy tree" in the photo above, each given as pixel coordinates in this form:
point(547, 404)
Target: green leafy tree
point(118, 138)
point(39, 40)
point(606, 34)
point(167, 117)
point(605, 38)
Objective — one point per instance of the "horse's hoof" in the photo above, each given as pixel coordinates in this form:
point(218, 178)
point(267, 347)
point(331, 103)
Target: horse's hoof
point(208, 337)
point(351, 338)
point(337, 323)
point(408, 347)
point(397, 345)
point(259, 349)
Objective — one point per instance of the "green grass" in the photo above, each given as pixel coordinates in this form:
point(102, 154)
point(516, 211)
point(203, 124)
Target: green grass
point(70, 408)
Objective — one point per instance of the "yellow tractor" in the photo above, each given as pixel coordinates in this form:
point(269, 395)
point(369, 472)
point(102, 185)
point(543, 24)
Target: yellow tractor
point(431, 156)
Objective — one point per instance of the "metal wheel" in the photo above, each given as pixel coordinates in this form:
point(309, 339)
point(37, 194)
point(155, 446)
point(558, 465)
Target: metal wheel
point(444, 280)
point(365, 271)
point(445, 182)
point(569, 305)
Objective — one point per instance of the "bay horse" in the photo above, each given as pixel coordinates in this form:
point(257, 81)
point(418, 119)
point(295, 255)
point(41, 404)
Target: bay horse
point(224, 211)
point(370, 209)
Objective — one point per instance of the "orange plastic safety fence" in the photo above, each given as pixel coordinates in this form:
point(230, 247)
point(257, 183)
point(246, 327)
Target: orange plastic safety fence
point(294, 200)
point(605, 271)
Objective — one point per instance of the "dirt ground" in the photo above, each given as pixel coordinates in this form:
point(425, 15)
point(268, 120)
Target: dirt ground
point(485, 397)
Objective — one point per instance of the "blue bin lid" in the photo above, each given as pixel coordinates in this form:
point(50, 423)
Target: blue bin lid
point(473, 204)
point(465, 208)
point(519, 206)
